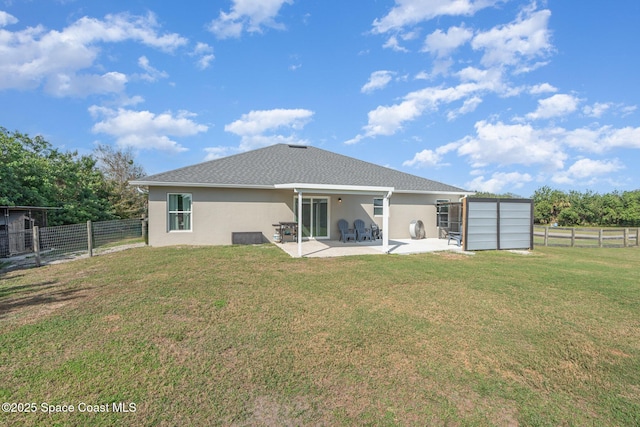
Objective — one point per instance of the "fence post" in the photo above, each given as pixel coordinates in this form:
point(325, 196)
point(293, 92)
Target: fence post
point(626, 237)
point(600, 237)
point(573, 237)
point(145, 236)
point(546, 236)
point(36, 244)
point(89, 238)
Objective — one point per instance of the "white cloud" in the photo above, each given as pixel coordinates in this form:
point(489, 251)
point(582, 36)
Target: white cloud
point(490, 79)
point(468, 106)
point(144, 129)
point(253, 126)
point(587, 170)
point(73, 85)
point(247, 15)
point(204, 54)
point(119, 28)
point(604, 138)
point(393, 44)
point(596, 110)
point(57, 58)
point(256, 122)
point(498, 181)
point(387, 120)
point(542, 88)
point(7, 19)
point(377, 80)
point(152, 74)
point(431, 158)
point(411, 12)
point(526, 38)
point(555, 106)
point(626, 110)
point(442, 44)
point(218, 152)
point(504, 144)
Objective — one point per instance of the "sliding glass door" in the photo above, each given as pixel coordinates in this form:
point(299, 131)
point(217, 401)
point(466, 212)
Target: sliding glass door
point(315, 217)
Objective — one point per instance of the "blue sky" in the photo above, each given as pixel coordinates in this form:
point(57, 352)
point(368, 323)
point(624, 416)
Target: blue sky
point(488, 95)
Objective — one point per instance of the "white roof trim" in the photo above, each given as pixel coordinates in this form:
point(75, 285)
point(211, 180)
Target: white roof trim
point(197, 184)
point(338, 189)
point(443, 193)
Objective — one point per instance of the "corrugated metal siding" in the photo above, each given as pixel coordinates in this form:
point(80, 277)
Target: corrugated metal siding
point(515, 225)
point(498, 224)
point(482, 227)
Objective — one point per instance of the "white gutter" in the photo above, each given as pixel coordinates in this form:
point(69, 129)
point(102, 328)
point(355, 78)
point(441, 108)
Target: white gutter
point(335, 189)
point(385, 222)
point(299, 226)
point(198, 184)
point(439, 193)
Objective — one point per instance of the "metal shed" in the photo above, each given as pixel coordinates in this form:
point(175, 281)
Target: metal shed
point(495, 224)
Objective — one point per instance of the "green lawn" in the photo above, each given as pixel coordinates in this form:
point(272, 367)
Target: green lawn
point(249, 336)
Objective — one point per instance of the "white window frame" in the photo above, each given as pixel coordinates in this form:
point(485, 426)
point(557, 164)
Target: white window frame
point(170, 212)
point(379, 208)
point(311, 198)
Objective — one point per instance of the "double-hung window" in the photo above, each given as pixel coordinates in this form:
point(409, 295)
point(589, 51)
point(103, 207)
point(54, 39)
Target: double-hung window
point(180, 212)
point(378, 209)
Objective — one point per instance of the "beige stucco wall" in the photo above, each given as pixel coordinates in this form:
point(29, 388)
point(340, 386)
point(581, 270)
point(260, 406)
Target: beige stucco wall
point(216, 213)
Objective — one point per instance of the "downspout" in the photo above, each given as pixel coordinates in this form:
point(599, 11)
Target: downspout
point(385, 222)
point(299, 227)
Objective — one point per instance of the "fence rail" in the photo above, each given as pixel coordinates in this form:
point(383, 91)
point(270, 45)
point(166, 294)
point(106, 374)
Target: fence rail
point(64, 240)
point(586, 237)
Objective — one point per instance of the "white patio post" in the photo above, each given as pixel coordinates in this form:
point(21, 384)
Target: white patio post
point(385, 222)
point(300, 224)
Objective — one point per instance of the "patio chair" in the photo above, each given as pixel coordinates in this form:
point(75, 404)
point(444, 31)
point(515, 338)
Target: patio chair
point(375, 231)
point(361, 232)
point(345, 232)
point(455, 236)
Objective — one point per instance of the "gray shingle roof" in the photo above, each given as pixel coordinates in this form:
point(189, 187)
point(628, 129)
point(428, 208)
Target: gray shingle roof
point(286, 164)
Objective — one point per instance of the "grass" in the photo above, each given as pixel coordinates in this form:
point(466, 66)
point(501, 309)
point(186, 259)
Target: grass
point(248, 336)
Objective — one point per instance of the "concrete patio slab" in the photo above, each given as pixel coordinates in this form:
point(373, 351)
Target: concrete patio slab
point(335, 248)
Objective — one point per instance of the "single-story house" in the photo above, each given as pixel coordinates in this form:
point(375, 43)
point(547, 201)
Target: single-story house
point(206, 203)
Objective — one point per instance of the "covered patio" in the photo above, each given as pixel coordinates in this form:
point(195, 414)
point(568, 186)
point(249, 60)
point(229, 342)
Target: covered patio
point(336, 248)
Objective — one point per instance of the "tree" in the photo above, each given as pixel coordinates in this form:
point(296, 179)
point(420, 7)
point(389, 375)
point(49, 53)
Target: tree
point(548, 204)
point(33, 173)
point(23, 162)
point(119, 167)
point(630, 209)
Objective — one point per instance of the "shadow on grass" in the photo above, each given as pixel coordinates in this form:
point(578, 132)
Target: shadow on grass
point(9, 302)
point(13, 290)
